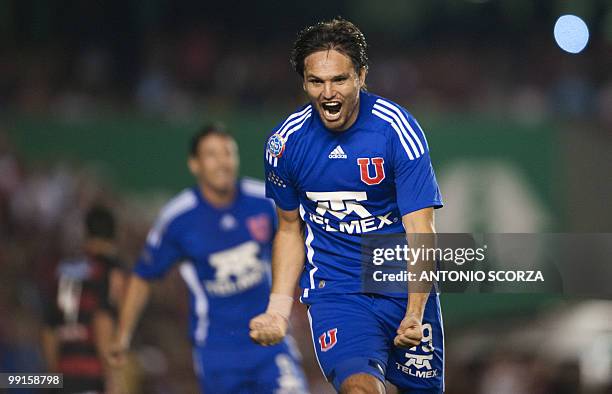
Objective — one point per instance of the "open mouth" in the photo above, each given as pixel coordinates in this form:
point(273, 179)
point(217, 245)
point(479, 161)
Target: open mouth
point(331, 110)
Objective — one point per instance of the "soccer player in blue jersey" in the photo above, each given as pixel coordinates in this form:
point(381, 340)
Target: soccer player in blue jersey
point(220, 232)
point(347, 164)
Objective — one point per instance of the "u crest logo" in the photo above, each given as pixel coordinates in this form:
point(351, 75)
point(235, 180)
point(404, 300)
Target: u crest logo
point(328, 339)
point(379, 170)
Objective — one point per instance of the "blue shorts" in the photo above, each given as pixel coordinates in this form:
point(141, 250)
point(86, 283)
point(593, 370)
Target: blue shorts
point(257, 369)
point(354, 333)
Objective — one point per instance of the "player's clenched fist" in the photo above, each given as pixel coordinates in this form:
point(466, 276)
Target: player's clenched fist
point(270, 327)
point(409, 333)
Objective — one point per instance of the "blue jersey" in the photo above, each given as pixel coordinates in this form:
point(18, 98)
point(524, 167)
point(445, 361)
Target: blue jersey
point(224, 256)
point(346, 184)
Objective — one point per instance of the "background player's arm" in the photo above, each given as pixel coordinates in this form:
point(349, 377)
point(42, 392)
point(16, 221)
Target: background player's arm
point(161, 251)
point(420, 230)
point(49, 337)
point(103, 326)
point(117, 286)
point(270, 327)
point(50, 348)
point(137, 296)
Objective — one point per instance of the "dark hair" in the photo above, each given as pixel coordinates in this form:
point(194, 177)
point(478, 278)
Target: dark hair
point(217, 128)
point(100, 222)
point(338, 34)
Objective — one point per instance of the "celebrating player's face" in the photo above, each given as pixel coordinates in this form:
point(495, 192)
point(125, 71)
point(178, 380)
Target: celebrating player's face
point(333, 87)
point(216, 163)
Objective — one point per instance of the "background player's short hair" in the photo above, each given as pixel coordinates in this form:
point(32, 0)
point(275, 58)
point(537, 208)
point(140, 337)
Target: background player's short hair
point(217, 128)
point(100, 222)
point(338, 34)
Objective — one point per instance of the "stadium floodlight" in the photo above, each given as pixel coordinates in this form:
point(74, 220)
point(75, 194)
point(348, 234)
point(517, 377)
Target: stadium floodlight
point(571, 33)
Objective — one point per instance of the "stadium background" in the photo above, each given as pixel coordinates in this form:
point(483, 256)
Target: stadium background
point(98, 99)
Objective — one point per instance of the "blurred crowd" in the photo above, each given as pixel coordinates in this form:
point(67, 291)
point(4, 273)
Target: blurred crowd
point(192, 74)
point(180, 60)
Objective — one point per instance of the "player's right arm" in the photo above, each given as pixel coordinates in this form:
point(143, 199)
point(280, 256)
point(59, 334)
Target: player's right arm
point(287, 253)
point(270, 327)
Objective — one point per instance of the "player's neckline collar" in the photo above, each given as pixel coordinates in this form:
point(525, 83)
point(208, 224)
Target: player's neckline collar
point(225, 208)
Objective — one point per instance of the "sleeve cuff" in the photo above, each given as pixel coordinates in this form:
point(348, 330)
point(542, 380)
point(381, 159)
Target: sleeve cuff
point(435, 204)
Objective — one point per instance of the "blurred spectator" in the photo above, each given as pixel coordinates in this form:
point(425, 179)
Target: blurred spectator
point(80, 312)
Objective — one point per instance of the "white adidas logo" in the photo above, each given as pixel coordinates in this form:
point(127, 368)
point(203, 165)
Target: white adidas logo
point(337, 153)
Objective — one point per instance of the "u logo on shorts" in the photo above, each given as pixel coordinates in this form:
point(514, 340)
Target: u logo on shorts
point(325, 344)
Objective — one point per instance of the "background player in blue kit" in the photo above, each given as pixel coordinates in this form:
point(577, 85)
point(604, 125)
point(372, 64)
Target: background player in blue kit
point(220, 232)
point(350, 163)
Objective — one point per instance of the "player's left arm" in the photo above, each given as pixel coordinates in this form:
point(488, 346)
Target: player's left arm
point(417, 195)
point(420, 233)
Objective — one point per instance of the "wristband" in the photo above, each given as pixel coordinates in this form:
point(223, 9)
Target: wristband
point(280, 304)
